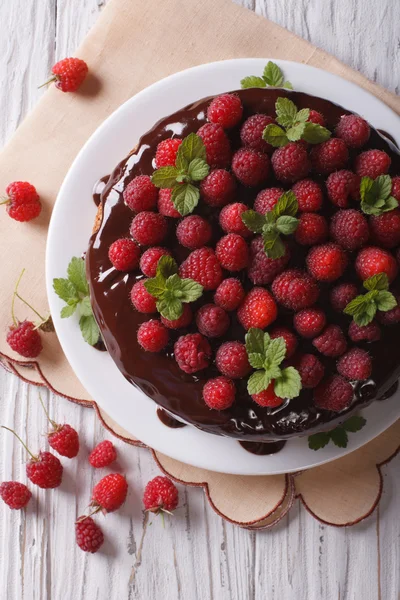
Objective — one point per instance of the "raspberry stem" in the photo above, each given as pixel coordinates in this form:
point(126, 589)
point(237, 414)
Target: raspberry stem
point(4, 201)
point(53, 423)
point(16, 294)
point(22, 442)
point(52, 78)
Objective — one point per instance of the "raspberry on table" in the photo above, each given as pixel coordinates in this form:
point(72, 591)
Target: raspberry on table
point(124, 254)
point(232, 252)
point(229, 294)
point(45, 470)
point(316, 117)
point(64, 440)
point(290, 162)
point(203, 266)
point(250, 167)
point(308, 195)
point(216, 142)
point(110, 493)
point(22, 202)
point(295, 289)
point(326, 262)
point(16, 495)
point(263, 270)
point(103, 455)
point(366, 333)
point(333, 393)
point(149, 260)
point(310, 369)
point(329, 156)
point(230, 219)
point(152, 336)
point(148, 228)
point(141, 299)
point(69, 74)
point(342, 186)
point(193, 232)
point(356, 364)
point(166, 152)
point(225, 110)
point(258, 309)
point(25, 339)
point(390, 317)
point(372, 261)
point(372, 163)
point(266, 199)
point(160, 494)
point(212, 321)
point(309, 322)
point(231, 360)
point(396, 187)
point(192, 352)
point(165, 205)
point(353, 130)
point(349, 229)
point(385, 228)
point(218, 188)
point(268, 398)
point(140, 194)
point(252, 131)
point(88, 535)
point(342, 294)
point(183, 321)
point(219, 393)
point(331, 342)
point(312, 229)
point(289, 337)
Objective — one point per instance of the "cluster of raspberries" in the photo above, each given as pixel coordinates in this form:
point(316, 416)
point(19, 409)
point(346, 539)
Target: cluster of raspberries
point(350, 244)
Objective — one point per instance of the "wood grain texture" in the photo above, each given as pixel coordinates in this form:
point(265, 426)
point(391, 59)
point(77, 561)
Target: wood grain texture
point(197, 556)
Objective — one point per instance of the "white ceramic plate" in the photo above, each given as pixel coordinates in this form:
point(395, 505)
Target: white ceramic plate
point(68, 236)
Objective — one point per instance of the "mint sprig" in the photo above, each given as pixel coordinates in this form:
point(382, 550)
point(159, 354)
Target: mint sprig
point(363, 308)
point(191, 168)
point(170, 291)
point(75, 293)
point(266, 355)
point(338, 435)
point(272, 77)
point(279, 221)
point(376, 195)
point(293, 126)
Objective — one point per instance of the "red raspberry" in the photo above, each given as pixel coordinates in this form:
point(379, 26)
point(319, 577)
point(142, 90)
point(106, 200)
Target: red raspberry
point(372, 163)
point(250, 167)
point(225, 110)
point(342, 294)
point(266, 199)
point(229, 294)
point(148, 228)
point(184, 320)
point(217, 145)
point(341, 186)
point(22, 201)
point(391, 317)
point(212, 321)
point(326, 262)
point(140, 194)
point(149, 260)
point(316, 117)
point(355, 364)
point(329, 156)
point(110, 493)
point(231, 360)
point(295, 289)
point(263, 270)
point(258, 309)
point(367, 333)
point(372, 260)
point(385, 228)
point(333, 393)
point(64, 440)
point(45, 470)
point(219, 393)
point(252, 131)
point(16, 495)
point(88, 534)
point(192, 352)
point(349, 228)
point(312, 229)
point(290, 162)
point(396, 188)
point(124, 254)
point(230, 219)
point(331, 342)
point(166, 152)
point(308, 195)
point(218, 188)
point(232, 252)
point(103, 455)
point(166, 206)
point(193, 232)
point(309, 322)
point(160, 494)
point(141, 299)
point(288, 336)
point(69, 74)
point(310, 369)
point(25, 339)
point(268, 397)
point(353, 130)
point(202, 265)
point(152, 335)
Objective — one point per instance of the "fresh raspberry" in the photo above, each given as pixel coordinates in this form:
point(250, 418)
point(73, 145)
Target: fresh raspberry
point(64, 440)
point(218, 188)
point(385, 228)
point(310, 369)
point(372, 260)
point(349, 228)
point(109, 493)
point(149, 260)
point(355, 364)
point(252, 131)
point(45, 470)
point(166, 152)
point(333, 393)
point(390, 317)
point(396, 187)
point(192, 352)
point(295, 289)
point(326, 262)
point(103, 455)
point(88, 534)
point(212, 321)
point(22, 201)
point(308, 195)
point(229, 294)
point(331, 342)
point(353, 130)
point(225, 110)
point(160, 494)
point(141, 299)
point(217, 145)
point(184, 320)
point(230, 219)
point(268, 397)
point(152, 335)
point(231, 360)
point(266, 199)
point(329, 156)
point(258, 309)
point(372, 163)
point(232, 252)
point(193, 232)
point(366, 333)
point(24, 212)
point(309, 322)
point(16, 495)
point(342, 294)
point(289, 337)
point(290, 162)
point(124, 254)
point(250, 167)
point(165, 205)
point(202, 265)
point(316, 117)
point(25, 339)
point(219, 393)
point(140, 194)
point(312, 229)
point(148, 228)
point(263, 270)
point(69, 74)
point(341, 186)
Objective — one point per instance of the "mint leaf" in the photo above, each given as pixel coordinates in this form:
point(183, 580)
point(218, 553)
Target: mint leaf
point(192, 147)
point(190, 290)
point(375, 195)
point(288, 384)
point(385, 301)
point(339, 437)
point(165, 177)
point(302, 115)
point(318, 440)
point(365, 187)
point(354, 424)
point(382, 186)
point(185, 198)
point(253, 220)
point(287, 85)
point(257, 341)
point(166, 266)
point(89, 329)
point(169, 307)
point(258, 382)
point(252, 81)
point(286, 224)
point(286, 112)
point(275, 353)
point(377, 282)
point(198, 169)
point(65, 290)
point(86, 307)
point(390, 204)
point(68, 310)
point(155, 286)
point(275, 135)
point(256, 360)
point(363, 308)
point(77, 275)
point(273, 246)
point(273, 75)
point(286, 205)
point(295, 132)
point(315, 134)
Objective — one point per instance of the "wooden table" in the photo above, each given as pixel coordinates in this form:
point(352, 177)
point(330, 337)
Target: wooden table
point(197, 555)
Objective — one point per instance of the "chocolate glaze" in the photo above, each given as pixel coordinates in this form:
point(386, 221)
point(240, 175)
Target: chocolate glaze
point(158, 375)
point(263, 448)
point(169, 421)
